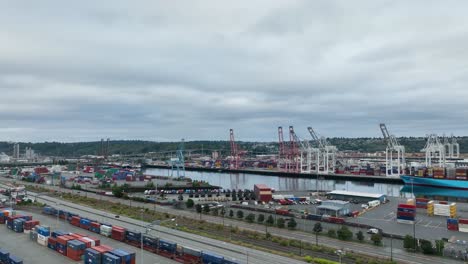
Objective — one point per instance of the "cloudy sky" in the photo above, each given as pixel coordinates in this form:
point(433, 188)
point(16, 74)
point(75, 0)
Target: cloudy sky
point(165, 70)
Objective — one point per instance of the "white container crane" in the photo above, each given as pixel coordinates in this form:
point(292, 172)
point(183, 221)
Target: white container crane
point(393, 147)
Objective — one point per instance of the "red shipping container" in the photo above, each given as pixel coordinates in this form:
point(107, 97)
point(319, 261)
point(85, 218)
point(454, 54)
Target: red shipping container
point(186, 258)
point(74, 254)
point(407, 214)
point(452, 227)
point(118, 234)
point(410, 206)
point(52, 240)
point(102, 249)
point(64, 239)
point(95, 224)
point(463, 221)
point(97, 241)
point(443, 202)
point(422, 200)
point(76, 235)
point(75, 220)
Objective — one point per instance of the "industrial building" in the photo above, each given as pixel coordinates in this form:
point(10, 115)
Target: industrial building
point(263, 192)
point(357, 196)
point(334, 208)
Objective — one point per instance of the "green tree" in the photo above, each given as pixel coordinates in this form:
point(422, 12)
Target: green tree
point(260, 218)
point(150, 185)
point(292, 224)
point(344, 233)
point(439, 247)
point(215, 211)
point(199, 208)
point(408, 242)
point(222, 212)
point(234, 195)
point(117, 191)
point(189, 203)
point(280, 223)
point(206, 209)
point(376, 238)
point(270, 221)
point(360, 236)
point(240, 214)
point(426, 246)
point(250, 218)
point(231, 213)
point(331, 233)
point(317, 229)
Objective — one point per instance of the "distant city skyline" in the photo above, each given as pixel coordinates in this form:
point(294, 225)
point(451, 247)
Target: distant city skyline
point(162, 71)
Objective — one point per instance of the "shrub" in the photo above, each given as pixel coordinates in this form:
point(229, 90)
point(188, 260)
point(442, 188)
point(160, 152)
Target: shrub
point(360, 236)
point(250, 218)
point(292, 224)
point(280, 223)
point(408, 242)
point(240, 214)
point(376, 238)
point(426, 246)
point(260, 218)
point(308, 259)
point(189, 203)
point(331, 233)
point(344, 233)
point(231, 213)
point(270, 221)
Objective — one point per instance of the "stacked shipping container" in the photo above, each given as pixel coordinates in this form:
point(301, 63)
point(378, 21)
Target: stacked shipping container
point(406, 213)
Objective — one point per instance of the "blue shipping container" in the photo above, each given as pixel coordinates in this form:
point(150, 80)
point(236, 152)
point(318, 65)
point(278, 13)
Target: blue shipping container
point(76, 245)
point(108, 258)
point(57, 233)
point(150, 241)
point(14, 260)
point(91, 256)
point(210, 258)
point(406, 210)
point(167, 246)
point(4, 255)
point(133, 236)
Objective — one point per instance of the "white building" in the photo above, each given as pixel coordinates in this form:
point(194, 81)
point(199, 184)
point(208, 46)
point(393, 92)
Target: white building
point(4, 157)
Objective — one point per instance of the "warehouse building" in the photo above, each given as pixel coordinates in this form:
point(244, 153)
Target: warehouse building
point(334, 208)
point(361, 197)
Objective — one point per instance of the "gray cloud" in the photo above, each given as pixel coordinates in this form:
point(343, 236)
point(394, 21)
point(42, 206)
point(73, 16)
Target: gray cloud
point(164, 71)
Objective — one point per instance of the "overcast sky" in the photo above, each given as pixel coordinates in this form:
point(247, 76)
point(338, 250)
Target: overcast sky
point(165, 70)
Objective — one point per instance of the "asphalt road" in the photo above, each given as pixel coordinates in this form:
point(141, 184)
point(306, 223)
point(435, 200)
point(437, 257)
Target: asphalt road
point(234, 252)
point(398, 254)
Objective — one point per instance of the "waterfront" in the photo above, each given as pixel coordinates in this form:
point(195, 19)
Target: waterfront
point(247, 181)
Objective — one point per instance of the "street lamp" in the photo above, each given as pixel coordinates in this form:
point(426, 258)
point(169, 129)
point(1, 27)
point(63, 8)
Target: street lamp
point(340, 254)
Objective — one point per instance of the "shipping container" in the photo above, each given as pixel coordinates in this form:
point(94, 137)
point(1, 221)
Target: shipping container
point(210, 258)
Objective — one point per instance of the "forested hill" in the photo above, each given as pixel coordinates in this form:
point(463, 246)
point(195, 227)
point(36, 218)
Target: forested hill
point(137, 146)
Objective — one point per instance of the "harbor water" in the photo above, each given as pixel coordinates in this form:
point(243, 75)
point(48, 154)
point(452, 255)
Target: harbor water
point(247, 181)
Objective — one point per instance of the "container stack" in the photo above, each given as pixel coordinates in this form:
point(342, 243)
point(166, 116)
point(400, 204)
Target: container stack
point(85, 223)
point(150, 244)
point(62, 244)
point(133, 238)
point(406, 213)
point(452, 224)
point(449, 210)
point(105, 230)
point(75, 249)
point(421, 203)
point(211, 258)
point(439, 173)
point(94, 255)
point(167, 248)
point(52, 243)
point(29, 225)
point(451, 172)
point(33, 235)
point(463, 225)
point(124, 256)
point(118, 233)
point(430, 208)
point(18, 225)
point(95, 227)
point(263, 193)
point(43, 234)
point(460, 173)
point(75, 220)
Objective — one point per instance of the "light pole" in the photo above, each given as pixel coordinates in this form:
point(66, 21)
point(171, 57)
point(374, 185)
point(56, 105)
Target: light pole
point(340, 253)
point(414, 221)
point(391, 247)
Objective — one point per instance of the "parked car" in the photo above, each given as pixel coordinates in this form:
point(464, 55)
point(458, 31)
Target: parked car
point(372, 231)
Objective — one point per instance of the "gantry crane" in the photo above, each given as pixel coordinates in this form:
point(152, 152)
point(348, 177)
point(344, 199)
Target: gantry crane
point(434, 149)
point(178, 163)
point(326, 154)
point(393, 147)
point(305, 158)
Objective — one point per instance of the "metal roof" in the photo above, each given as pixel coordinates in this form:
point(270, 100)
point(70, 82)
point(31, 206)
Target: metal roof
point(359, 194)
point(330, 207)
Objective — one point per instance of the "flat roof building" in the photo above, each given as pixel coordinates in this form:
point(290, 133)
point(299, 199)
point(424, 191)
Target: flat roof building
point(359, 196)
